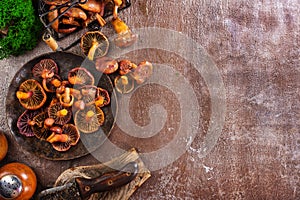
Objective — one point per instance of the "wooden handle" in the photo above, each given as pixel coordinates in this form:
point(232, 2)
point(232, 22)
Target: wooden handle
point(50, 41)
point(107, 181)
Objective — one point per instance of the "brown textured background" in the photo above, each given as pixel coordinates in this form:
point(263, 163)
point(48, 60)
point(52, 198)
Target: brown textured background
point(255, 45)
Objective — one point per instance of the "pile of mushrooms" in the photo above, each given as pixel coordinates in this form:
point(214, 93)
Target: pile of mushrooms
point(127, 72)
point(65, 19)
point(51, 103)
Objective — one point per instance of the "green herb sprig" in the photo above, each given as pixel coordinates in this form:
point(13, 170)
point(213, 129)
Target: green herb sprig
point(20, 27)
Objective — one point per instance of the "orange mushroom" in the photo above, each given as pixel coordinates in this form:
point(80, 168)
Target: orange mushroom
point(59, 113)
point(80, 76)
point(125, 36)
point(25, 122)
point(124, 84)
point(46, 68)
point(41, 129)
point(94, 44)
point(63, 138)
point(66, 99)
point(89, 120)
point(126, 66)
point(96, 8)
point(31, 95)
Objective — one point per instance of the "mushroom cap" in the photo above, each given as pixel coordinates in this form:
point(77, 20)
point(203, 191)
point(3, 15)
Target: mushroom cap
point(102, 95)
point(45, 68)
point(91, 124)
point(80, 76)
point(124, 84)
point(106, 65)
point(143, 71)
point(23, 123)
point(91, 38)
point(39, 129)
point(54, 113)
point(55, 2)
point(73, 138)
point(126, 66)
point(37, 96)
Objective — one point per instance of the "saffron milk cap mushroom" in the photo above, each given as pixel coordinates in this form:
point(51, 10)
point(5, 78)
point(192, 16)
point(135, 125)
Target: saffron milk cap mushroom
point(94, 44)
point(31, 95)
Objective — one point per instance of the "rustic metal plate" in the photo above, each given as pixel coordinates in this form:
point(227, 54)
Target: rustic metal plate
point(65, 62)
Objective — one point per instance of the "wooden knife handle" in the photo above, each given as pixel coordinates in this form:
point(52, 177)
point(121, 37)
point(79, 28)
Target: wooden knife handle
point(107, 181)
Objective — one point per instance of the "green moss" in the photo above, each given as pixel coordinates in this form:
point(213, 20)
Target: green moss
point(23, 25)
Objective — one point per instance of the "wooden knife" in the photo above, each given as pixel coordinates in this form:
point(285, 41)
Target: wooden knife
point(82, 188)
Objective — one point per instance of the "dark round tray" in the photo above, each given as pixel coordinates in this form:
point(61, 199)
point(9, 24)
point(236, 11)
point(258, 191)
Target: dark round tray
point(88, 142)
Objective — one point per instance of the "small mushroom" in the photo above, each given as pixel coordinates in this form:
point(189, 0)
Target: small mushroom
point(80, 76)
point(142, 72)
point(126, 66)
point(31, 95)
point(124, 84)
point(46, 68)
point(40, 129)
point(52, 17)
point(67, 137)
point(89, 120)
point(96, 8)
point(59, 113)
point(125, 36)
point(61, 89)
point(25, 122)
point(106, 65)
point(94, 44)
point(51, 84)
point(103, 98)
point(66, 99)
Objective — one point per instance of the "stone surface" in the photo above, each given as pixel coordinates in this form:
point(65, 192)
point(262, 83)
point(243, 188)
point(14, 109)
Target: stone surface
point(255, 46)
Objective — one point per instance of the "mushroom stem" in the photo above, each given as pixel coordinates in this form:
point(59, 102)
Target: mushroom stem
point(89, 115)
point(125, 36)
point(100, 20)
point(119, 26)
point(117, 3)
point(31, 122)
point(124, 80)
point(66, 95)
point(62, 113)
point(54, 137)
point(24, 95)
point(99, 101)
point(92, 50)
point(47, 74)
point(56, 82)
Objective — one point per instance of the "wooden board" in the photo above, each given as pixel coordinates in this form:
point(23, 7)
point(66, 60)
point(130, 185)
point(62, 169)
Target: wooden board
point(255, 46)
